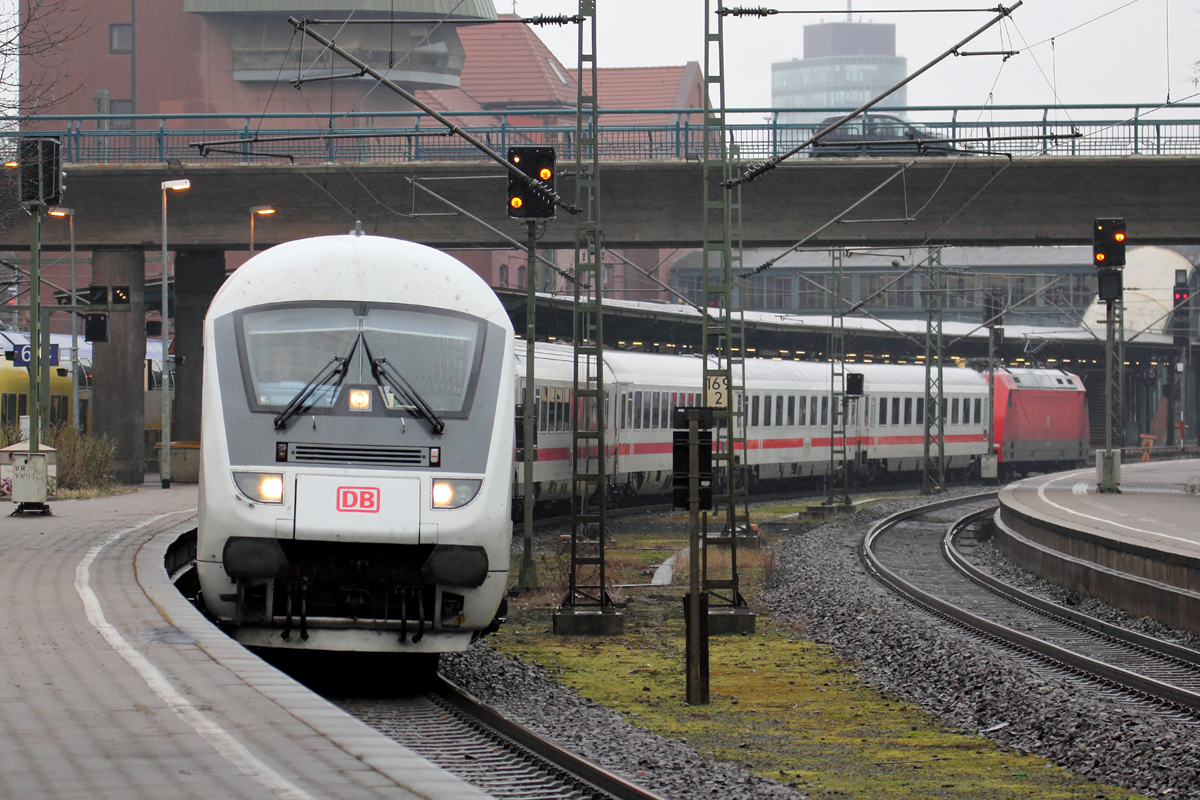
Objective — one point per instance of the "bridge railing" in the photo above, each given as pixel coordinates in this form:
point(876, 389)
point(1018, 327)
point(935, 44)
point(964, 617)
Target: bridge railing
point(625, 134)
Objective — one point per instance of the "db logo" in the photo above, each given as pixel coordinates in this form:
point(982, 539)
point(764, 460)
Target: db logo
point(363, 499)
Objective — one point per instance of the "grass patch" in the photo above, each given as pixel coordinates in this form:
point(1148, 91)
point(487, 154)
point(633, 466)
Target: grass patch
point(782, 706)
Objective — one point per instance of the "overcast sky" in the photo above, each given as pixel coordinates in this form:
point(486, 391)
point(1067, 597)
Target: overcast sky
point(1121, 58)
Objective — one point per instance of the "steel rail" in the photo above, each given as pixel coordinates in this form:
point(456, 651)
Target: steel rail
point(578, 767)
point(1057, 655)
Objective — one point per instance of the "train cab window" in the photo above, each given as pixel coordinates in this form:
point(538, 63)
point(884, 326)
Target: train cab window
point(767, 411)
point(791, 412)
point(908, 419)
point(895, 410)
point(824, 411)
point(883, 405)
point(978, 410)
point(754, 407)
point(921, 411)
point(954, 411)
point(654, 418)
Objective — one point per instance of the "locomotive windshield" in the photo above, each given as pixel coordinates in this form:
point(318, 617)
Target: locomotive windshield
point(284, 347)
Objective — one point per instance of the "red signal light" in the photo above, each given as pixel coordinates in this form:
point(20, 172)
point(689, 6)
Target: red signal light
point(516, 202)
point(1100, 256)
point(1119, 236)
point(545, 174)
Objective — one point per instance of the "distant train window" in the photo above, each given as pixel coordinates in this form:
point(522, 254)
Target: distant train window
point(824, 410)
point(629, 407)
point(8, 409)
point(954, 411)
point(622, 411)
point(883, 411)
point(921, 411)
point(754, 402)
point(895, 410)
point(22, 406)
point(1018, 380)
point(854, 412)
point(812, 411)
point(674, 400)
point(767, 411)
point(779, 411)
point(556, 410)
point(791, 417)
point(978, 410)
point(803, 404)
point(637, 411)
point(666, 411)
point(542, 410)
point(646, 412)
point(654, 418)
point(908, 411)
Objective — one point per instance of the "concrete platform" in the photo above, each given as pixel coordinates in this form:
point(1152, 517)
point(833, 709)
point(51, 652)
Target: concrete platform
point(113, 686)
point(1138, 550)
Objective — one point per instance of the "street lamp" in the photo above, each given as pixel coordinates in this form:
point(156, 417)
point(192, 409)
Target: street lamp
point(164, 454)
point(258, 211)
point(69, 213)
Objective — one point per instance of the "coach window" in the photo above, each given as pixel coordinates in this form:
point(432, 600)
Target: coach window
point(791, 417)
point(654, 418)
point(646, 411)
point(954, 411)
point(802, 409)
point(674, 400)
point(921, 411)
point(883, 410)
point(812, 411)
point(666, 412)
point(637, 411)
point(895, 410)
point(854, 411)
point(978, 410)
point(754, 402)
point(779, 411)
point(622, 426)
point(908, 411)
point(767, 411)
point(824, 411)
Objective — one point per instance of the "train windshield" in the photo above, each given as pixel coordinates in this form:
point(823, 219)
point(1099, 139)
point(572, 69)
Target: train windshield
point(436, 353)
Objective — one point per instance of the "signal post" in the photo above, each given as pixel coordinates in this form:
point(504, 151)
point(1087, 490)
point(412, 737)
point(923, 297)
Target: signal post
point(1108, 256)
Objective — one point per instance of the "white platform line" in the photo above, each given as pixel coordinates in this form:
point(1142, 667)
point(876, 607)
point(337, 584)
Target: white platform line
point(1042, 494)
point(221, 740)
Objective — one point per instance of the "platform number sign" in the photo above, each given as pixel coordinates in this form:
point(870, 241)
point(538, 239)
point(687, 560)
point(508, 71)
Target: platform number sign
point(23, 355)
point(716, 391)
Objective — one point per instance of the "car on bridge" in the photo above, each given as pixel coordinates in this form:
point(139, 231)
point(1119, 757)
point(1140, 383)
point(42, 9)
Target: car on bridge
point(881, 135)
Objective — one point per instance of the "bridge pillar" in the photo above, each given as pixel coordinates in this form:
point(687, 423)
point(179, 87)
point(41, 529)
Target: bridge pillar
point(118, 365)
point(199, 273)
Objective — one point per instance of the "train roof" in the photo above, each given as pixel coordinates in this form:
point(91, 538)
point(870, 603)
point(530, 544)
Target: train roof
point(359, 268)
point(1040, 379)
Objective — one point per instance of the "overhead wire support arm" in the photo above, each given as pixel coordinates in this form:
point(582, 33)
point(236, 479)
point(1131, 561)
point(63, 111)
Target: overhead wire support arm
point(534, 185)
point(751, 11)
point(764, 167)
point(540, 19)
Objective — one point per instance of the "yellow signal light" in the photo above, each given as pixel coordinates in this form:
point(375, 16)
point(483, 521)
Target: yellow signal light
point(516, 202)
point(1099, 256)
point(1120, 237)
point(545, 174)
point(516, 159)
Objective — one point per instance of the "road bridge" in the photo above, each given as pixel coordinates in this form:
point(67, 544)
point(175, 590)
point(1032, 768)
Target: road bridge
point(976, 200)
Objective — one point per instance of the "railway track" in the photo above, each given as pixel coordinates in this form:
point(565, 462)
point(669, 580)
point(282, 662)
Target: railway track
point(921, 554)
point(499, 756)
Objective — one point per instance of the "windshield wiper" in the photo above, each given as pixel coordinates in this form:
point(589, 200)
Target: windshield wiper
point(384, 372)
point(336, 367)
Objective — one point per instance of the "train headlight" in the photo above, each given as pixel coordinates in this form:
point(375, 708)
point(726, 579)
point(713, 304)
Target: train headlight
point(360, 399)
point(454, 492)
point(261, 487)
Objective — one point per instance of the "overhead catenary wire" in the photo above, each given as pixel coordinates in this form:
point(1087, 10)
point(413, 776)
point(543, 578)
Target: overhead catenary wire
point(763, 167)
point(746, 11)
point(534, 185)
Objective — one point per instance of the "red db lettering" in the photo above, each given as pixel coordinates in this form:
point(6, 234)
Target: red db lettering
point(359, 499)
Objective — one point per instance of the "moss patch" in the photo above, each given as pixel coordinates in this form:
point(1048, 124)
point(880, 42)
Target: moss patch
point(781, 705)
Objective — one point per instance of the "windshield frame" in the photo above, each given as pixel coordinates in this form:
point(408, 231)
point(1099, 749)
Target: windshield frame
point(360, 310)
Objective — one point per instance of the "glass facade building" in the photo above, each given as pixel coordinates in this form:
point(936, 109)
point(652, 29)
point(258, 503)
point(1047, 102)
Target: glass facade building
point(845, 64)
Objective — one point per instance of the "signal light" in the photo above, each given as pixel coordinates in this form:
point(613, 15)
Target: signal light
point(1108, 242)
point(40, 161)
point(524, 201)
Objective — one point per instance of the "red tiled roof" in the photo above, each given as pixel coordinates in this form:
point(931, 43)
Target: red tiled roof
point(508, 66)
point(448, 101)
point(648, 87)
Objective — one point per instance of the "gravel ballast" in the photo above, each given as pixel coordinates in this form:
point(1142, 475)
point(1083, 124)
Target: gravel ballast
point(968, 683)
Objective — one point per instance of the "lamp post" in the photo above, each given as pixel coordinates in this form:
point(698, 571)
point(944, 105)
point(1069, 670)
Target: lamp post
point(164, 457)
point(69, 213)
point(257, 211)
